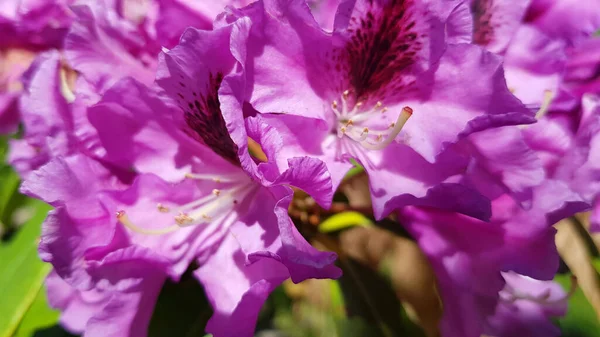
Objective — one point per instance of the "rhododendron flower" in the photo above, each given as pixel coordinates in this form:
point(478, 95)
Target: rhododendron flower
point(48, 112)
point(570, 20)
point(324, 12)
point(535, 52)
point(34, 23)
point(108, 41)
point(26, 28)
point(527, 307)
point(568, 142)
point(13, 63)
point(350, 94)
point(469, 267)
point(533, 61)
point(220, 208)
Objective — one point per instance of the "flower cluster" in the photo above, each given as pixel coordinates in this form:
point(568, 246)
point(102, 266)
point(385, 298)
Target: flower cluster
point(172, 135)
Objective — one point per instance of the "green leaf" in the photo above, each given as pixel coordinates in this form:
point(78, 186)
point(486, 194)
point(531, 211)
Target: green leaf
point(369, 296)
point(344, 220)
point(182, 309)
point(581, 319)
point(357, 169)
point(9, 182)
point(21, 272)
point(40, 320)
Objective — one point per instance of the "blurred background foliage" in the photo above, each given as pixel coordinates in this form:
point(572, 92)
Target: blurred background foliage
point(387, 290)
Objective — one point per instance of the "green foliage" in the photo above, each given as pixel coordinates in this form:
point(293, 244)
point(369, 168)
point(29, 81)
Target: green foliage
point(182, 309)
point(21, 271)
point(369, 296)
point(581, 319)
point(356, 170)
point(40, 320)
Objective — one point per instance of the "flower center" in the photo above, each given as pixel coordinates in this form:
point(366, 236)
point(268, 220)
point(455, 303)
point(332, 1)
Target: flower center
point(212, 207)
point(352, 123)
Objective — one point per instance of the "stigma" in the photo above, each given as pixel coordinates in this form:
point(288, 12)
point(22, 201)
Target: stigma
point(351, 123)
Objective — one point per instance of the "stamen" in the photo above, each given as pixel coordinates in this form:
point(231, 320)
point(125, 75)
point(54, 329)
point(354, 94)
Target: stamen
point(548, 98)
point(64, 87)
point(216, 192)
point(124, 219)
point(400, 122)
point(183, 219)
point(210, 177)
point(163, 209)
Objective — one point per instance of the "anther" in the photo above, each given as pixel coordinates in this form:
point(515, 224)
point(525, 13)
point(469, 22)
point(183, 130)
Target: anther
point(163, 209)
point(183, 219)
point(378, 105)
point(346, 93)
point(216, 192)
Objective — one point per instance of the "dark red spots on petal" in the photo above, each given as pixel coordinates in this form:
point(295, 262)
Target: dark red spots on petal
point(384, 45)
point(483, 31)
point(206, 124)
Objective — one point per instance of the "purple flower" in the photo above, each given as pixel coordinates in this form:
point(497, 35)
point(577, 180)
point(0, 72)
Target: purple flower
point(581, 73)
point(197, 194)
point(570, 20)
point(354, 90)
point(13, 63)
point(469, 267)
point(534, 61)
point(324, 12)
point(26, 29)
point(526, 308)
point(495, 22)
point(34, 23)
point(567, 141)
point(129, 282)
point(47, 110)
point(176, 15)
point(105, 47)
point(548, 53)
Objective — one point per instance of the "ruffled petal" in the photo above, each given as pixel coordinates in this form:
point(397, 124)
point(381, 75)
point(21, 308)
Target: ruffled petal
point(103, 47)
point(237, 290)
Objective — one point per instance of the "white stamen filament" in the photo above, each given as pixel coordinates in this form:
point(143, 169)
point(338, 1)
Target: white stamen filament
point(217, 179)
point(350, 120)
point(215, 205)
point(124, 219)
point(400, 122)
point(548, 97)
